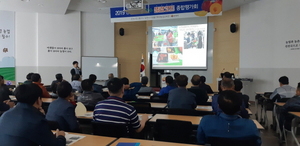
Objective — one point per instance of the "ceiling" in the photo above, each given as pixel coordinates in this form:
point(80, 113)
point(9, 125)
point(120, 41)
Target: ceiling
point(94, 6)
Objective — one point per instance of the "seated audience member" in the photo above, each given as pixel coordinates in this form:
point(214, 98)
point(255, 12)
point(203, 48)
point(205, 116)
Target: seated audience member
point(284, 91)
point(28, 77)
point(131, 90)
point(55, 83)
point(181, 97)
point(168, 88)
point(76, 83)
point(174, 84)
point(227, 124)
point(36, 79)
point(25, 125)
point(226, 75)
point(96, 88)
point(4, 90)
point(227, 84)
point(6, 105)
point(115, 110)
point(204, 86)
point(62, 110)
point(144, 88)
point(292, 104)
point(201, 95)
point(110, 76)
point(238, 86)
point(88, 97)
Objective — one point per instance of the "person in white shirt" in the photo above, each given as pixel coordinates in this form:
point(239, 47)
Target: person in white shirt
point(284, 91)
point(76, 83)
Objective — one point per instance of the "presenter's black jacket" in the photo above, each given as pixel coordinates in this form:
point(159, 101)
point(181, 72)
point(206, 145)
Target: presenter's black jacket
point(25, 125)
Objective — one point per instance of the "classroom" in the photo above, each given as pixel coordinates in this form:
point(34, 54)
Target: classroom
point(188, 56)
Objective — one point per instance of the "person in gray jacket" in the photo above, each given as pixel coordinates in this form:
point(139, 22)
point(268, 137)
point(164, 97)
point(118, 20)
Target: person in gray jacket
point(145, 89)
point(88, 97)
point(181, 97)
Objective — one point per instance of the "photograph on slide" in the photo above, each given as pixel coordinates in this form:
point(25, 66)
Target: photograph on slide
point(182, 46)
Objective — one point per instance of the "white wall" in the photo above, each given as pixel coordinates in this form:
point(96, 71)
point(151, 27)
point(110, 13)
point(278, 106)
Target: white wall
point(25, 44)
point(265, 27)
point(89, 34)
point(58, 31)
point(97, 35)
point(35, 32)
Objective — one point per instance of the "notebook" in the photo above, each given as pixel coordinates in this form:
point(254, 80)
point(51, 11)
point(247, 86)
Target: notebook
point(128, 144)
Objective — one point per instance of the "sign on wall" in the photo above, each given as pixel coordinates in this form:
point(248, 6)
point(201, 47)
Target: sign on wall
point(7, 45)
point(198, 8)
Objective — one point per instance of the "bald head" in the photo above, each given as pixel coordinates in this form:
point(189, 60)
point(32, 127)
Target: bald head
point(227, 84)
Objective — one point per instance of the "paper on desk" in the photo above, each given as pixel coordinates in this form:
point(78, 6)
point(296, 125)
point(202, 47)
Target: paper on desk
point(71, 138)
point(204, 107)
point(88, 114)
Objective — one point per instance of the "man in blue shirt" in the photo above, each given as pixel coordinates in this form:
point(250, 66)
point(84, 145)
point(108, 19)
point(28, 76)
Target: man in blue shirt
point(166, 90)
point(131, 90)
point(62, 109)
point(227, 124)
point(227, 84)
point(96, 88)
point(25, 125)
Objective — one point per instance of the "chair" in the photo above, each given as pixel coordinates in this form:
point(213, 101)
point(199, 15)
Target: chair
point(48, 88)
point(111, 130)
point(173, 131)
point(53, 125)
point(141, 107)
point(220, 141)
point(294, 125)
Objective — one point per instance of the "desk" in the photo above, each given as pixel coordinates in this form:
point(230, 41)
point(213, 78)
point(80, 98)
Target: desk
point(205, 108)
point(144, 97)
point(209, 100)
point(149, 142)
point(249, 111)
point(280, 103)
point(208, 108)
point(13, 97)
point(44, 100)
point(92, 140)
point(47, 100)
point(195, 120)
point(89, 115)
point(158, 105)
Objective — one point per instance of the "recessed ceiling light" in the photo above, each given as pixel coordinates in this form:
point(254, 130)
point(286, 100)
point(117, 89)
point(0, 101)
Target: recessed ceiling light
point(41, 5)
point(102, 1)
point(25, 0)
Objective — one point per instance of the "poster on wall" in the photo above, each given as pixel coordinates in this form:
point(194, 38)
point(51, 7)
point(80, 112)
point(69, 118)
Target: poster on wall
point(175, 10)
point(7, 46)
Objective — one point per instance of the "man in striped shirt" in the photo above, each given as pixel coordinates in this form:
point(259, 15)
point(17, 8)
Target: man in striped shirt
point(114, 109)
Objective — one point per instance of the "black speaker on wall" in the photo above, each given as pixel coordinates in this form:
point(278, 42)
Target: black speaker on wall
point(121, 31)
point(233, 28)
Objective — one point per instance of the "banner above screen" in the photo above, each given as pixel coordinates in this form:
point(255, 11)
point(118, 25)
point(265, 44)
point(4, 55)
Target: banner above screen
point(198, 8)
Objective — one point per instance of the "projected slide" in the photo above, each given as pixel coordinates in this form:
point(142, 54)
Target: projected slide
point(179, 47)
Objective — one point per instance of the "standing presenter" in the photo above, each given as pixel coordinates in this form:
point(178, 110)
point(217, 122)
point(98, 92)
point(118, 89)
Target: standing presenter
point(75, 70)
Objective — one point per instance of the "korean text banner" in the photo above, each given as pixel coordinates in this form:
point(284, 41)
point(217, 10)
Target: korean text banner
point(198, 8)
